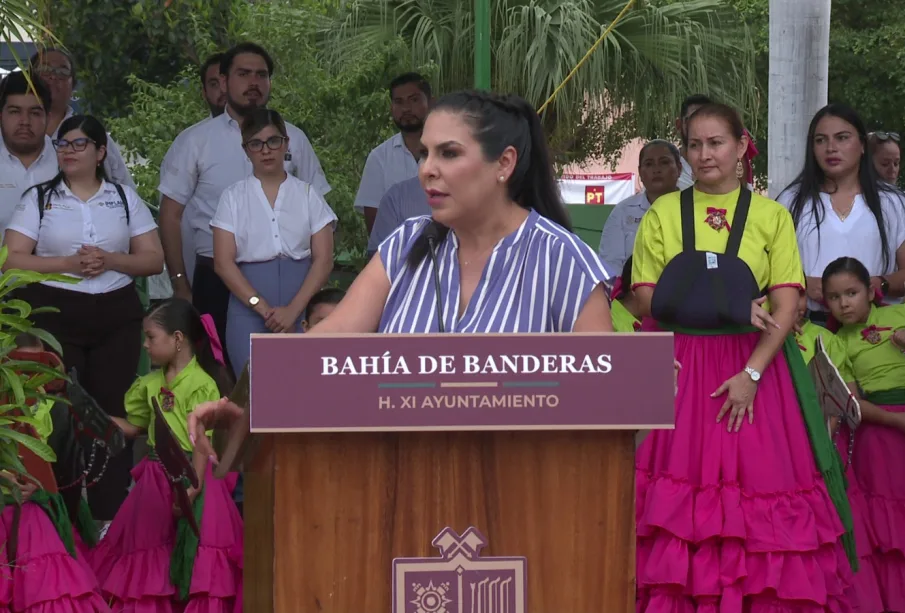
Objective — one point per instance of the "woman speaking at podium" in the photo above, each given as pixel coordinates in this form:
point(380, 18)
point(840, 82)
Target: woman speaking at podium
point(495, 255)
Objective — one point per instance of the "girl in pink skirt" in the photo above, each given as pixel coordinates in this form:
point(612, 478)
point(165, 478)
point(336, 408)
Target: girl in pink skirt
point(874, 340)
point(43, 564)
point(741, 508)
point(150, 561)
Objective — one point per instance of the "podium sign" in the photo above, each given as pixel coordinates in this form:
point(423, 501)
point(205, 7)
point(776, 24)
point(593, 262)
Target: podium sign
point(328, 383)
point(513, 455)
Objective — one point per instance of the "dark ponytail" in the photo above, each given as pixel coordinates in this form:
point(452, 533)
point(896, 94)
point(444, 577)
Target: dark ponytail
point(93, 129)
point(498, 122)
point(178, 315)
point(849, 265)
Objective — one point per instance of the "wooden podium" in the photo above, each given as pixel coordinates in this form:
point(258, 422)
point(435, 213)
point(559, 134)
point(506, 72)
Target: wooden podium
point(328, 509)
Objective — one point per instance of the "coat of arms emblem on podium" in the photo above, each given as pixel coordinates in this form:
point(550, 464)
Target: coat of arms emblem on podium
point(460, 580)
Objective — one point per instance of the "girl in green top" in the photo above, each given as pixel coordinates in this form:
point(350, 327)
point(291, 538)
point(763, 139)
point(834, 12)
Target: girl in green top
point(874, 341)
point(150, 559)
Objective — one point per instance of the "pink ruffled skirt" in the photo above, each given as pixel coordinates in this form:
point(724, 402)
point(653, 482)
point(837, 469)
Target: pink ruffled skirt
point(45, 578)
point(735, 522)
point(132, 561)
point(877, 494)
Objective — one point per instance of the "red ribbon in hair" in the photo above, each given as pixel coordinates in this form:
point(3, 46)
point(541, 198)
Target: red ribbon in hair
point(618, 289)
point(750, 153)
point(208, 322)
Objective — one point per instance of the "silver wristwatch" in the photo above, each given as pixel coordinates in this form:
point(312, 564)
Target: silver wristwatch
point(755, 376)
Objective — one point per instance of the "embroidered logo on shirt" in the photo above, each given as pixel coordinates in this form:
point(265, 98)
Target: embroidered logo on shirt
point(716, 219)
point(168, 400)
point(871, 334)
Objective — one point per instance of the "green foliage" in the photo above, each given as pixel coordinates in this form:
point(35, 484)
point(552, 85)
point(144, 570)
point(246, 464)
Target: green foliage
point(867, 63)
point(147, 38)
point(344, 114)
point(20, 381)
point(631, 85)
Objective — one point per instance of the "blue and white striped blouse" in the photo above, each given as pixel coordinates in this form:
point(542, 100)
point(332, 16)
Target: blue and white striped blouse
point(537, 279)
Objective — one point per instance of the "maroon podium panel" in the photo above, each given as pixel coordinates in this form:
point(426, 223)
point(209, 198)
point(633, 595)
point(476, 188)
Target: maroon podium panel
point(380, 382)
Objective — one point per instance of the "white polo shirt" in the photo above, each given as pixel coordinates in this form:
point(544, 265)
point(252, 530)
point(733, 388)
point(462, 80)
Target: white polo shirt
point(69, 223)
point(114, 163)
point(210, 158)
point(389, 163)
point(264, 233)
point(857, 237)
point(16, 178)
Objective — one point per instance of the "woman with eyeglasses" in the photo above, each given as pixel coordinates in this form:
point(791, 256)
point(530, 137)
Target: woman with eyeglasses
point(841, 208)
point(887, 154)
point(101, 235)
point(273, 240)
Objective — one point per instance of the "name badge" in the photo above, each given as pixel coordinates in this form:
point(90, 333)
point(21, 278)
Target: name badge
point(712, 261)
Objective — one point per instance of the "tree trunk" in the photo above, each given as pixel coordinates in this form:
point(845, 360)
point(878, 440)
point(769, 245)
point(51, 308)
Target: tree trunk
point(799, 63)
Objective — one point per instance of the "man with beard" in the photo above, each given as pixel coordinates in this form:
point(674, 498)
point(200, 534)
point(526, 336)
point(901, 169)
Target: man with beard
point(396, 159)
point(214, 98)
point(26, 154)
point(209, 159)
point(56, 68)
point(212, 92)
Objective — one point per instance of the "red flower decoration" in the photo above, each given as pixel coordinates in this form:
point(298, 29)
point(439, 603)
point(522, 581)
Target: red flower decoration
point(167, 400)
point(871, 334)
point(716, 219)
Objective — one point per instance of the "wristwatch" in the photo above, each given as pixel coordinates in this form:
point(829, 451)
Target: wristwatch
point(254, 300)
point(884, 285)
point(755, 376)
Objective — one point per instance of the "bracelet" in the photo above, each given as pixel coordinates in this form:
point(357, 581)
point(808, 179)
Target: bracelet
point(177, 276)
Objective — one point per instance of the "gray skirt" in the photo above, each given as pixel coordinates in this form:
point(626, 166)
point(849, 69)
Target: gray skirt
point(277, 282)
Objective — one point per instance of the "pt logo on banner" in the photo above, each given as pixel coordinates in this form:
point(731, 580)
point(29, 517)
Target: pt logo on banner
point(593, 194)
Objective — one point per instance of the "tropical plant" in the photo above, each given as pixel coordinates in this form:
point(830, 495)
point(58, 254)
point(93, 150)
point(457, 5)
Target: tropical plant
point(21, 382)
point(632, 85)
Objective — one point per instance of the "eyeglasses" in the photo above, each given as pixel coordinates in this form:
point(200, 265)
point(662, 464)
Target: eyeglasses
point(273, 143)
point(78, 144)
point(54, 71)
point(894, 136)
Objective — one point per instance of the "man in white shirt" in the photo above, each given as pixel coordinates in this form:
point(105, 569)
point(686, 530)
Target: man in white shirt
point(689, 106)
point(205, 160)
point(214, 97)
point(395, 159)
point(57, 69)
point(26, 154)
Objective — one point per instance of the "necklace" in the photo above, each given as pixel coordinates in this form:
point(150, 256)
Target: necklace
point(476, 255)
point(843, 215)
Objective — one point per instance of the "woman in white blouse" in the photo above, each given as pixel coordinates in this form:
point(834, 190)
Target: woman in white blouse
point(103, 236)
point(273, 240)
point(842, 209)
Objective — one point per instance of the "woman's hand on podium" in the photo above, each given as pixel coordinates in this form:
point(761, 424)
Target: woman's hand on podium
point(677, 367)
point(207, 416)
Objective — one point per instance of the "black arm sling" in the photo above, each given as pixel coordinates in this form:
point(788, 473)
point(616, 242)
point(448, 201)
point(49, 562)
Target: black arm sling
point(702, 289)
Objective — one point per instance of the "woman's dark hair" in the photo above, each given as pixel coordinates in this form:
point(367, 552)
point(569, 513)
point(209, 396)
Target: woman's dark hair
point(498, 122)
point(627, 273)
point(260, 118)
point(849, 265)
point(809, 183)
point(178, 315)
point(328, 295)
point(724, 112)
point(94, 130)
point(657, 142)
